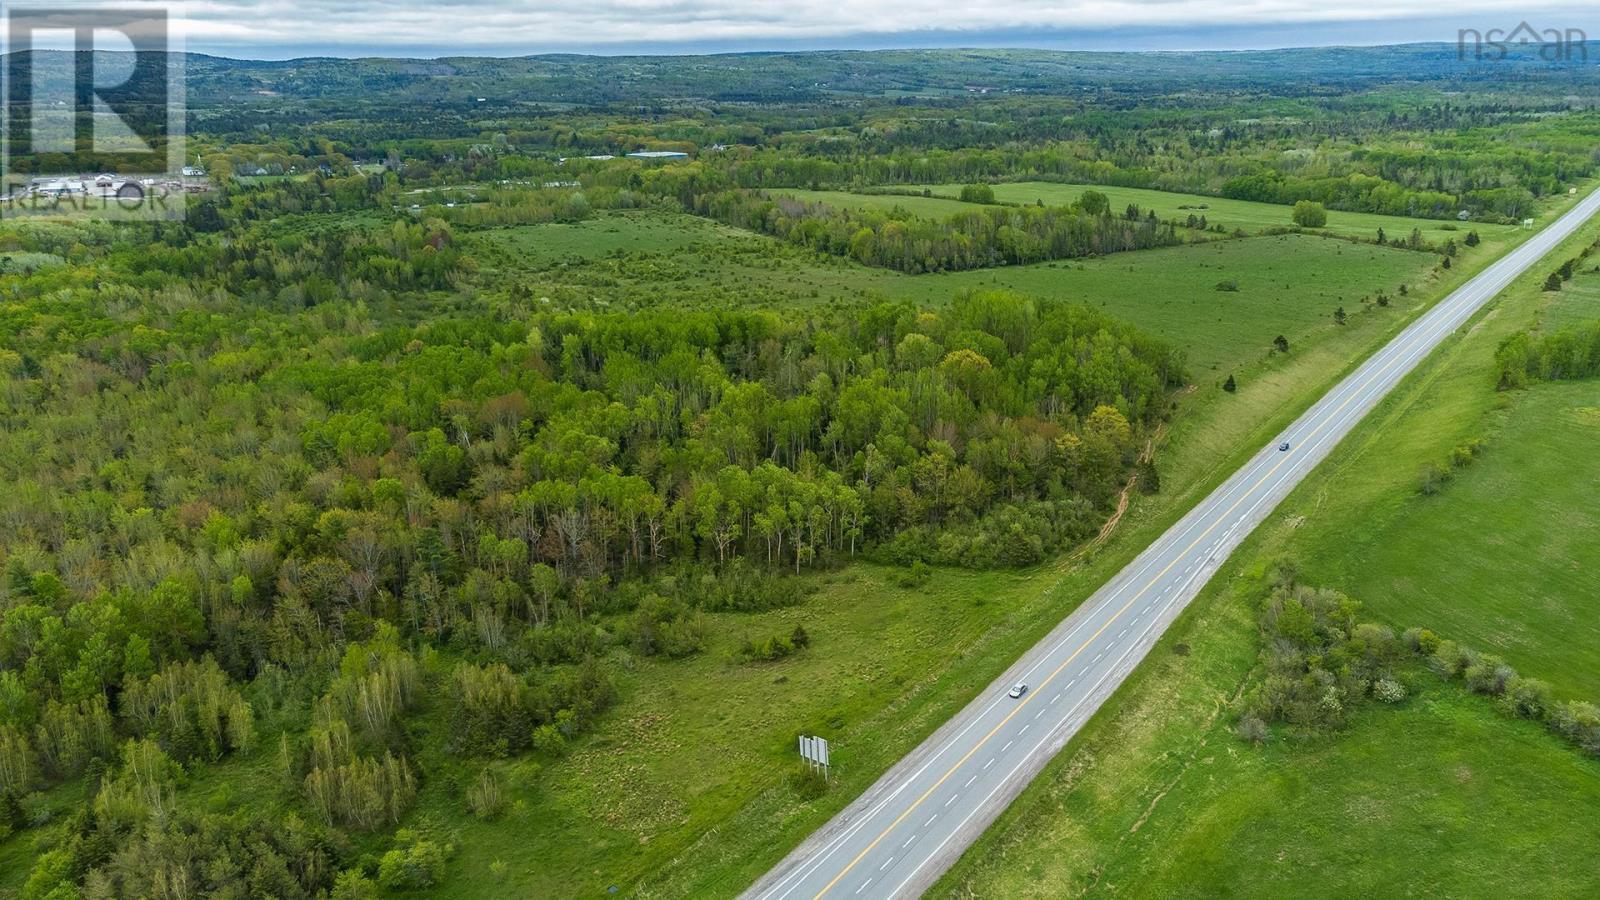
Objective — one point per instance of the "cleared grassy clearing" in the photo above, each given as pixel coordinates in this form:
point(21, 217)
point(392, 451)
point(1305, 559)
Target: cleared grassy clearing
point(1286, 284)
point(536, 246)
point(1444, 794)
point(1246, 214)
point(927, 207)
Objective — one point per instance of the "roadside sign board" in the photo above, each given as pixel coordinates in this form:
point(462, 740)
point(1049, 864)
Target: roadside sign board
point(814, 750)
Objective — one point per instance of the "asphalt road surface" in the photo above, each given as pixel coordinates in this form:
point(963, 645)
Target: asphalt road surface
point(899, 836)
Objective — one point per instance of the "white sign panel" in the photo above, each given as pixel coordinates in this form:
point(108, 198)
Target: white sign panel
point(814, 749)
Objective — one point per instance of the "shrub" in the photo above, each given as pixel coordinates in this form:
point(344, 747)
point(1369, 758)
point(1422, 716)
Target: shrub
point(362, 793)
point(1420, 640)
point(1227, 285)
point(1309, 214)
point(1579, 723)
point(666, 627)
point(484, 797)
point(1529, 697)
point(914, 576)
point(492, 710)
point(977, 193)
point(1388, 690)
point(35, 810)
point(808, 782)
point(1252, 729)
point(418, 863)
point(1431, 479)
point(548, 739)
point(142, 789)
point(1488, 675)
point(353, 884)
point(1450, 659)
point(773, 648)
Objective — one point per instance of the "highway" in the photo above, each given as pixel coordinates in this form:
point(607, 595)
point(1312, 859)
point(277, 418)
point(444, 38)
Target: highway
point(911, 825)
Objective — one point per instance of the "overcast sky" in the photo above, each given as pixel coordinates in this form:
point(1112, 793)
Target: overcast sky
point(282, 28)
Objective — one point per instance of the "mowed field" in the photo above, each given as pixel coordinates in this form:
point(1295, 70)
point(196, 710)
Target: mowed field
point(1442, 794)
point(1288, 285)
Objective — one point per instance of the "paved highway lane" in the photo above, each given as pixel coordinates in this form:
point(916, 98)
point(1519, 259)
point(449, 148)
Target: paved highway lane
point(899, 836)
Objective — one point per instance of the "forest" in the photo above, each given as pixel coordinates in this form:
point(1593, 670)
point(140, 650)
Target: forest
point(227, 499)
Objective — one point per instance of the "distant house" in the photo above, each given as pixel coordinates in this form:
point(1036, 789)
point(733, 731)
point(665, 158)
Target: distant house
point(657, 154)
point(193, 172)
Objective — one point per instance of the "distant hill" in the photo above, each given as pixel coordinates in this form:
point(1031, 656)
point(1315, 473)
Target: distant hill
point(817, 76)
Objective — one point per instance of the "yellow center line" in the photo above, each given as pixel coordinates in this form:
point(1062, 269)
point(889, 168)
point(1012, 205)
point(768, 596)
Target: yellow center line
point(1092, 638)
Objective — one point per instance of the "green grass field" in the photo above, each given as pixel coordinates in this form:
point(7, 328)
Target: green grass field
point(1287, 284)
point(1246, 214)
point(1443, 794)
point(1441, 797)
point(938, 207)
point(1503, 557)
